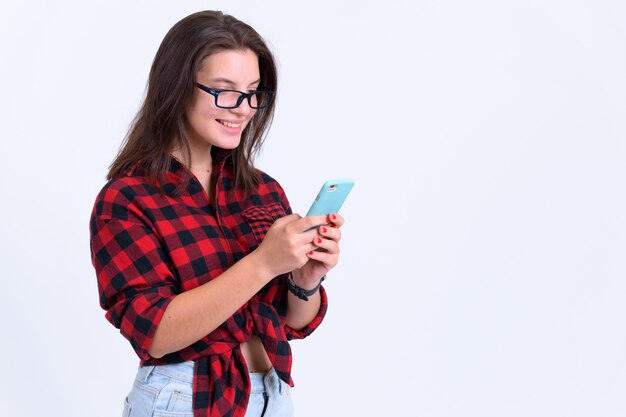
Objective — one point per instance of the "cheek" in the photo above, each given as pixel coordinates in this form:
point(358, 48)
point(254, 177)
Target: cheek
point(250, 117)
point(195, 118)
point(207, 111)
point(201, 120)
point(203, 108)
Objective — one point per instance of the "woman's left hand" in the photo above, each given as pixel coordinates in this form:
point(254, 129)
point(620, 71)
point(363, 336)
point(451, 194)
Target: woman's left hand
point(325, 257)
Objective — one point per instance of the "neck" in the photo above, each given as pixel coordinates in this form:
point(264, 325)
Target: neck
point(201, 160)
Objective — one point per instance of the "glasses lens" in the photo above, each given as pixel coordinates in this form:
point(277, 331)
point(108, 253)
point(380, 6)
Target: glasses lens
point(228, 98)
point(260, 99)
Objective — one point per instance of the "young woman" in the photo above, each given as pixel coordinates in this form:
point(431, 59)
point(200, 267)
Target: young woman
point(200, 262)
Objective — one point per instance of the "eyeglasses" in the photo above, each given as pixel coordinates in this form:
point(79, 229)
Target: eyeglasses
point(231, 99)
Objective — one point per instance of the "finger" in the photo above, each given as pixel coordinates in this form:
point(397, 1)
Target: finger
point(303, 238)
point(330, 233)
point(336, 220)
point(317, 220)
point(306, 223)
point(288, 219)
point(310, 247)
point(328, 245)
point(329, 260)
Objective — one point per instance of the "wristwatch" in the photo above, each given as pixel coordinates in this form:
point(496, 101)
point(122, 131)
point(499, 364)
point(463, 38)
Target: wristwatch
point(300, 292)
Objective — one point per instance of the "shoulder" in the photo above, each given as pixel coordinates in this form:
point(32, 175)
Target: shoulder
point(266, 179)
point(119, 194)
point(124, 189)
point(269, 188)
point(268, 184)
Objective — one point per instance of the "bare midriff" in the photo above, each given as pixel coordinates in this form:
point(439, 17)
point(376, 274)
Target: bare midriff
point(253, 351)
point(255, 355)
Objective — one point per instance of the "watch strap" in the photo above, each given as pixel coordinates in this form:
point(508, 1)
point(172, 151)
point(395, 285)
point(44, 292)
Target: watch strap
point(300, 292)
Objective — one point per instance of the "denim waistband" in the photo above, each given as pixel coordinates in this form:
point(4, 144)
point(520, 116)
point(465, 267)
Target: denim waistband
point(259, 381)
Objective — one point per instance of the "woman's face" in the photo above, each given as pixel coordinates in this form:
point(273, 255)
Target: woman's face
point(208, 124)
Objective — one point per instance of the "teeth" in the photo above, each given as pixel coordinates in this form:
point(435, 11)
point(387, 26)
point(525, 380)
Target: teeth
point(229, 124)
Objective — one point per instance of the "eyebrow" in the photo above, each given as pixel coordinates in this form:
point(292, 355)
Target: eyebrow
point(230, 82)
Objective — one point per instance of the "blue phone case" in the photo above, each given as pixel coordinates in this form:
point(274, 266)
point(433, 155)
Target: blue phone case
point(331, 197)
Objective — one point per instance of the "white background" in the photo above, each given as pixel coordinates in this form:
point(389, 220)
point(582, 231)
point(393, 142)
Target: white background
point(483, 268)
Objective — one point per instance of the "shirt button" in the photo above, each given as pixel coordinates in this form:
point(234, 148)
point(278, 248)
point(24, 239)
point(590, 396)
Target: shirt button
point(194, 186)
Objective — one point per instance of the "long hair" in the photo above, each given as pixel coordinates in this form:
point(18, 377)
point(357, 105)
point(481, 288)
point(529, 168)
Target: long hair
point(159, 126)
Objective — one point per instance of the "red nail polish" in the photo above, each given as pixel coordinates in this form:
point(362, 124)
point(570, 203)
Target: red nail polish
point(333, 216)
point(310, 253)
point(324, 230)
point(332, 225)
point(327, 219)
point(318, 240)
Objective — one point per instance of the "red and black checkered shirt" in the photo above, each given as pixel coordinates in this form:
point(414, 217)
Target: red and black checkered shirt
point(148, 247)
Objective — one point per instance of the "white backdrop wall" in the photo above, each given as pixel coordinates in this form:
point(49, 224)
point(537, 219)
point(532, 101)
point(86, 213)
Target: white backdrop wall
point(483, 257)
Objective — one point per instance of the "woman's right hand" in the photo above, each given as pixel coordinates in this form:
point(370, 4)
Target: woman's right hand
point(286, 243)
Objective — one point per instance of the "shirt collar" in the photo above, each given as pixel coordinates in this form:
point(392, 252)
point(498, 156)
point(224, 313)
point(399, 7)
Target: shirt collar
point(221, 155)
point(178, 172)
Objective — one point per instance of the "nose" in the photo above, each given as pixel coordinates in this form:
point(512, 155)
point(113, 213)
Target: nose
point(244, 109)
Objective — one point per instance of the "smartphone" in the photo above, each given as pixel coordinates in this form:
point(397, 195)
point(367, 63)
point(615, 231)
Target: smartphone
point(331, 197)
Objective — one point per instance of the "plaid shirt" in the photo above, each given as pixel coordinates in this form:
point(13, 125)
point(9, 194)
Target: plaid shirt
point(147, 248)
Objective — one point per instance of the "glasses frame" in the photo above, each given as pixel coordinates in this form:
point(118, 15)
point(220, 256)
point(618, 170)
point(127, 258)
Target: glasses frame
point(215, 92)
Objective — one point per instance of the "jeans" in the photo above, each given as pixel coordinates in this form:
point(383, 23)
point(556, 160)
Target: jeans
point(166, 391)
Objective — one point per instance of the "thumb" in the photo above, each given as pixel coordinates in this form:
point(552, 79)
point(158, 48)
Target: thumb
point(290, 218)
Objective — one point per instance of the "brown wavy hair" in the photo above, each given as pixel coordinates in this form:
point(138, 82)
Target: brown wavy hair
point(159, 126)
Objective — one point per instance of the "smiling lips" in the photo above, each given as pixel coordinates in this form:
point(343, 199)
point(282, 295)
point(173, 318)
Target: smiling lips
point(229, 124)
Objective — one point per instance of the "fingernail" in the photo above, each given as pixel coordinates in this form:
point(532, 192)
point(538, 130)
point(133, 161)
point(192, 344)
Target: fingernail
point(310, 253)
point(327, 219)
point(332, 216)
point(324, 230)
point(318, 240)
point(332, 225)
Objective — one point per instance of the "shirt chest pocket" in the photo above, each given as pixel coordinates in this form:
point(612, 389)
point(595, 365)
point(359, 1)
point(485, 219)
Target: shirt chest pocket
point(259, 219)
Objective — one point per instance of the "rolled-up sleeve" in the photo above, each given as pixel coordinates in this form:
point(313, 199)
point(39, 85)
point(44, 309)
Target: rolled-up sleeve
point(291, 333)
point(314, 324)
point(135, 283)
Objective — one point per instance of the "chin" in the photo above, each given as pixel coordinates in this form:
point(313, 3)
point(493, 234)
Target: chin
point(229, 143)
point(221, 141)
